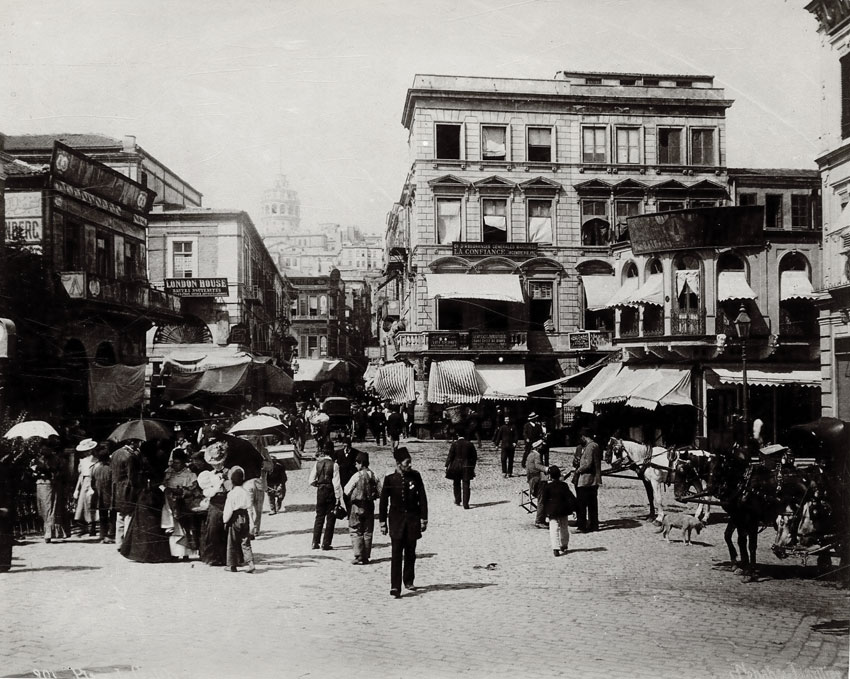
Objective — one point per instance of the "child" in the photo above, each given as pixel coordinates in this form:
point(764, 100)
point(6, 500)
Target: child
point(363, 490)
point(240, 519)
point(558, 503)
point(276, 482)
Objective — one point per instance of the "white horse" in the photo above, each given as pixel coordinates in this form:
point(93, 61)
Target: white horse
point(653, 465)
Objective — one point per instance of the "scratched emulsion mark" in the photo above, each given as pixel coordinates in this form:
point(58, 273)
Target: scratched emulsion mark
point(112, 671)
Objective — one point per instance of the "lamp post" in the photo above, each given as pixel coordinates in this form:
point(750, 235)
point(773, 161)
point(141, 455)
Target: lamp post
point(743, 323)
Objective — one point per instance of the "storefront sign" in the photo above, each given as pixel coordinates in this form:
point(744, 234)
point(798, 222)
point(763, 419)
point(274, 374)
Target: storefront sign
point(24, 221)
point(94, 183)
point(197, 287)
point(516, 250)
point(697, 228)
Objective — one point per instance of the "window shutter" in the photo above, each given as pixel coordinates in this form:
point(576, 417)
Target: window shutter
point(91, 247)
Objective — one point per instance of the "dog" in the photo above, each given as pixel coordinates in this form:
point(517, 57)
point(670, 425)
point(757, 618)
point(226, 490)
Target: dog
point(685, 522)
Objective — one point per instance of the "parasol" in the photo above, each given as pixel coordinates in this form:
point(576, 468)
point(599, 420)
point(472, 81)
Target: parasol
point(31, 429)
point(257, 424)
point(183, 411)
point(270, 410)
point(141, 430)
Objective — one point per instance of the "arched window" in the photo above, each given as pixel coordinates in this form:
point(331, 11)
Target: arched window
point(651, 299)
point(733, 292)
point(598, 284)
point(105, 354)
point(688, 317)
point(629, 313)
point(798, 316)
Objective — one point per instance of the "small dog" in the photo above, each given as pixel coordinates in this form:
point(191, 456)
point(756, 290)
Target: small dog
point(685, 522)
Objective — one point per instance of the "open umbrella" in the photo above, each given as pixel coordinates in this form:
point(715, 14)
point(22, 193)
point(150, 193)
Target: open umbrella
point(183, 411)
point(31, 429)
point(256, 424)
point(270, 410)
point(141, 430)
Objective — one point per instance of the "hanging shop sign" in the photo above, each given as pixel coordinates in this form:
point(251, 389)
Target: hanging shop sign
point(472, 249)
point(24, 220)
point(197, 287)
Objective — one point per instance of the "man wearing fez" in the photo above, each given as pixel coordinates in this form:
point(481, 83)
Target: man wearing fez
point(403, 500)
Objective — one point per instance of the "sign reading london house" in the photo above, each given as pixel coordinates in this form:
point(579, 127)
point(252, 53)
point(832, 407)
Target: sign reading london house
point(471, 249)
point(697, 228)
point(100, 186)
point(197, 287)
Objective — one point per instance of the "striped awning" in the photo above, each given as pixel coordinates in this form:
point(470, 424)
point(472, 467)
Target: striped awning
point(454, 382)
point(584, 399)
point(769, 376)
point(394, 383)
point(733, 285)
point(502, 382)
point(648, 387)
point(795, 285)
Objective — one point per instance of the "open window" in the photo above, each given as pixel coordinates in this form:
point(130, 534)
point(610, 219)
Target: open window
point(540, 221)
point(448, 220)
point(494, 227)
point(541, 295)
point(798, 315)
point(687, 315)
point(494, 142)
point(629, 313)
point(595, 225)
point(540, 145)
point(448, 145)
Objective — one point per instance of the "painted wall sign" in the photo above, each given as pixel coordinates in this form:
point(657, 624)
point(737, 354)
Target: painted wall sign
point(467, 249)
point(24, 220)
point(197, 287)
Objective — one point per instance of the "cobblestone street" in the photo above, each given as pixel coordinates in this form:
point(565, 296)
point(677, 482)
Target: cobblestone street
point(491, 600)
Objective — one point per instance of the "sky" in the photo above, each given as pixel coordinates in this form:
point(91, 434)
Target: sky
point(229, 94)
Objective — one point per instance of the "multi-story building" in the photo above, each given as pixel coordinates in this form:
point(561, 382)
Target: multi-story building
point(75, 241)
point(234, 298)
point(511, 235)
point(833, 18)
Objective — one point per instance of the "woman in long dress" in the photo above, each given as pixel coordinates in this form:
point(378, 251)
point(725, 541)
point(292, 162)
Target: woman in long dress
point(180, 483)
point(145, 541)
point(84, 515)
point(47, 470)
point(215, 485)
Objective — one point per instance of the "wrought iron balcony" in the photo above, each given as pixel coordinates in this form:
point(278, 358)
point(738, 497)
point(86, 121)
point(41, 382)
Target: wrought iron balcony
point(133, 294)
point(689, 323)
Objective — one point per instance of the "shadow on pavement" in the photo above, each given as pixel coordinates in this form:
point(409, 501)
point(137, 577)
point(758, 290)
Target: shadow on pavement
point(276, 533)
point(838, 628)
point(615, 524)
point(588, 549)
point(54, 568)
point(298, 508)
point(449, 587)
point(476, 505)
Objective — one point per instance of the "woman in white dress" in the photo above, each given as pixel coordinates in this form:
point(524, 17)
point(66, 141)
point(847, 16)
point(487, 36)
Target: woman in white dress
point(180, 485)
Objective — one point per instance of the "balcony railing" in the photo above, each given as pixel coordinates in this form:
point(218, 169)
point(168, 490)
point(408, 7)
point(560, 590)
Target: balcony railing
point(463, 340)
point(687, 322)
point(128, 293)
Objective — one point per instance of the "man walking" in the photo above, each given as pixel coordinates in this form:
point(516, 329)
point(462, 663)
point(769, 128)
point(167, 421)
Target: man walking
point(404, 502)
point(395, 426)
point(460, 468)
point(125, 481)
point(535, 472)
point(588, 478)
point(506, 438)
point(531, 432)
point(325, 477)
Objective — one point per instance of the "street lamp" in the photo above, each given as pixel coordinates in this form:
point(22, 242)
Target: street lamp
point(743, 323)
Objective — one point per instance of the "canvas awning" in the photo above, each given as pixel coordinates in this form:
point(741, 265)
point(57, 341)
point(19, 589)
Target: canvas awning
point(502, 382)
point(651, 292)
point(321, 370)
point(769, 376)
point(733, 285)
point(587, 373)
point(454, 382)
point(624, 293)
point(222, 374)
point(795, 285)
point(598, 290)
point(496, 287)
point(228, 379)
point(584, 399)
point(394, 383)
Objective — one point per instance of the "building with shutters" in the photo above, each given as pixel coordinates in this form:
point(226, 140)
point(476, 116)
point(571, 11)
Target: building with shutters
point(505, 247)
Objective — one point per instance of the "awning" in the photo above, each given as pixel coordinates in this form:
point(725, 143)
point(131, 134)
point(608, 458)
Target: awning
point(496, 287)
point(369, 375)
point(733, 285)
point(687, 279)
point(795, 285)
point(229, 379)
point(394, 383)
point(584, 399)
point(651, 292)
point(598, 290)
point(274, 379)
point(502, 382)
point(454, 382)
point(587, 373)
point(769, 376)
point(624, 293)
point(321, 370)
point(664, 387)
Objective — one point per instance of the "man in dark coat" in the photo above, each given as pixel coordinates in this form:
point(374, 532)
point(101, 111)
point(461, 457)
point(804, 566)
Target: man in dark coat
point(506, 438)
point(125, 466)
point(588, 479)
point(460, 468)
point(395, 426)
point(404, 503)
point(378, 423)
point(531, 432)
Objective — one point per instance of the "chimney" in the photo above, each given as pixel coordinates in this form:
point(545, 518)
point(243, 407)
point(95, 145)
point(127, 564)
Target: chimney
point(129, 143)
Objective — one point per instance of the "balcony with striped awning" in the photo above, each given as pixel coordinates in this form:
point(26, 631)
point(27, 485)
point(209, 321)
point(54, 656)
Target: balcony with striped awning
point(454, 382)
point(394, 383)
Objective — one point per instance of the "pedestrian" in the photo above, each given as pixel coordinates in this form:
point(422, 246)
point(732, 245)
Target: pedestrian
point(535, 472)
point(144, 540)
point(588, 478)
point(362, 489)
point(361, 423)
point(473, 425)
point(395, 426)
point(240, 521)
point(460, 468)
point(558, 503)
point(506, 438)
point(299, 432)
point(347, 461)
point(405, 504)
point(377, 423)
point(125, 472)
point(50, 489)
point(325, 477)
point(101, 483)
point(276, 490)
point(531, 432)
point(215, 484)
point(83, 513)
point(179, 483)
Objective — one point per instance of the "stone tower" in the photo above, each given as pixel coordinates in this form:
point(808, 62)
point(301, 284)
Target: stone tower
point(280, 215)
